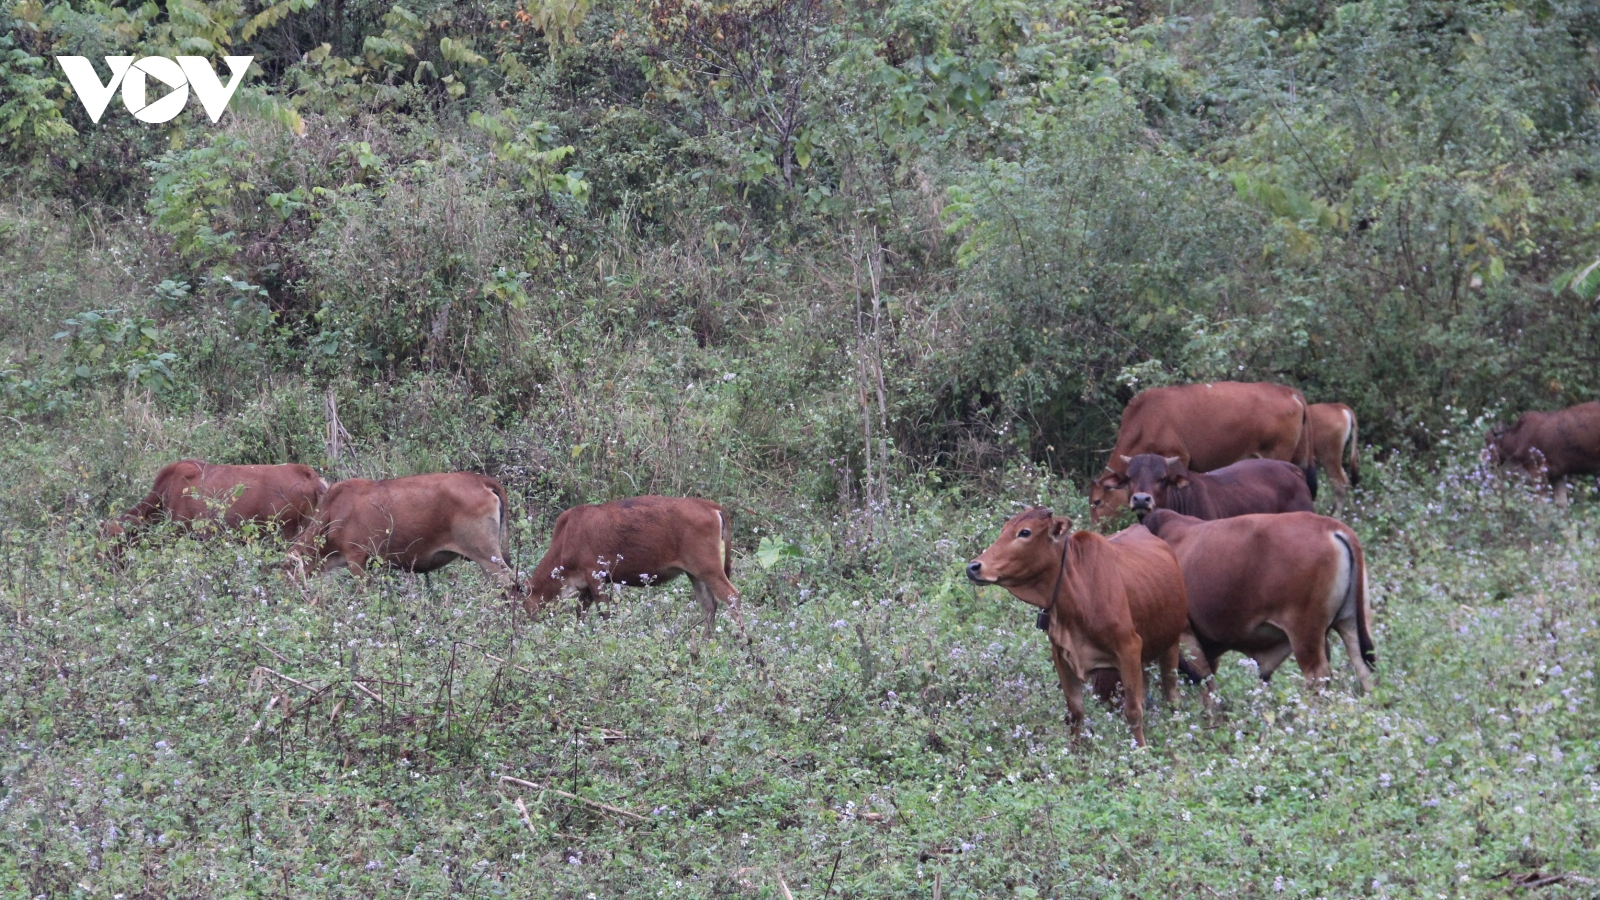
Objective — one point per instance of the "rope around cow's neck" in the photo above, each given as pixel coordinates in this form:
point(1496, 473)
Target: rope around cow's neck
point(1043, 620)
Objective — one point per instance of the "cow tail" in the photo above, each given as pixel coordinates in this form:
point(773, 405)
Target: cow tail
point(1356, 595)
point(505, 518)
point(1355, 451)
point(727, 544)
point(1303, 455)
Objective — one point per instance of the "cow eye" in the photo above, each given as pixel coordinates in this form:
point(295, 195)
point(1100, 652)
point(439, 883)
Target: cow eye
point(1026, 532)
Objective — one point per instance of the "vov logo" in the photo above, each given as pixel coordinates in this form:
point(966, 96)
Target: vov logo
point(181, 74)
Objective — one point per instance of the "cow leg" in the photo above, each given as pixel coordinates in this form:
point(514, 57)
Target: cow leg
point(1559, 482)
point(1132, 671)
point(719, 589)
point(1169, 676)
point(1352, 647)
point(1203, 665)
point(1311, 652)
point(1071, 689)
point(708, 603)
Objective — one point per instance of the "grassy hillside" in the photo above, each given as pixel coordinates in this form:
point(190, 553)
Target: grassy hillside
point(868, 274)
point(198, 726)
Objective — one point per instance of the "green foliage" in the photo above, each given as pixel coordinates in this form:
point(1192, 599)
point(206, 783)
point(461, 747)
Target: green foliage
point(29, 117)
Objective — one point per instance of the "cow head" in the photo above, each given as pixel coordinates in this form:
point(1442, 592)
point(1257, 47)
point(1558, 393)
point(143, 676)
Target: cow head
point(1029, 547)
point(1151, 477)
point(1108, 495)
point(1494, 446)
point(113, 540)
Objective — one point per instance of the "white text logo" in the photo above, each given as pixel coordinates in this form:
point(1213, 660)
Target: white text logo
point(181, 74)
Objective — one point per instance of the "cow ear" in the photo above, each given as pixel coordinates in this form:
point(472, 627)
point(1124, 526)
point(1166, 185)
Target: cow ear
point(1059, 525)
point(1180, 482)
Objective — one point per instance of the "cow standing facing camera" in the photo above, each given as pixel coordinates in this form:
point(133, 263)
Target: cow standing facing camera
point(638, 542)
point(1109, 606)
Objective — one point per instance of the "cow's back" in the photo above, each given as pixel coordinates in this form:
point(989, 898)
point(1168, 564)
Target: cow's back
point(1211, 425)
point(659, 528)
point(1229, 563)
point(1568, 438)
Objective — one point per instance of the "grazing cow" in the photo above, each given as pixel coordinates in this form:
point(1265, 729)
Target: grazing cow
point(1333, 427)
point(191, 491)
point(639, 541)
point(1208, 426)
point(1271, 585)
point(418, 523)
point(1555, 444)
point(1109, 605)
point(1248, 486)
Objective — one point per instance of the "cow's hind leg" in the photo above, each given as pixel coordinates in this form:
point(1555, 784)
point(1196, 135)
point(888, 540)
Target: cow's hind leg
point(708, 603)
point(1169, 676)
point(1310, 645)
point(719, 589)
point(1559, 482)
point(1348, 634)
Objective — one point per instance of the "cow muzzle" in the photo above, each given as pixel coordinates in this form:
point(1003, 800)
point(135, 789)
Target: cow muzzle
point(1142, 502)
point(975, 573)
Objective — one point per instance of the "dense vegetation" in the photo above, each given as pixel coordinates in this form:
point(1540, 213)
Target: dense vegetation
point(868, 274)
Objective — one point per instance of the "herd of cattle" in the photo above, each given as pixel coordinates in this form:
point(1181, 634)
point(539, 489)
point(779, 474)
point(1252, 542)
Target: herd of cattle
point(1227, 554)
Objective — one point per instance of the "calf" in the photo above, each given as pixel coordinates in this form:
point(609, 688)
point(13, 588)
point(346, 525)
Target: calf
point(1207, 426)
point(1109, 605)
point(1271, 585)
point(1333, 427)
point(1552, 444)
point(190, 492)
point(1250, 486)
point(639, 541)
point(418, 523)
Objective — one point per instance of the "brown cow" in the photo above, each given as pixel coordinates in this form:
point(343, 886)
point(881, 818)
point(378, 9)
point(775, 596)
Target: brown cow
point(1333, 427)
point(1112, 604)
point(1271, 585)
point(418, 523)
point(1248, 486)
point(1554, 444)
point(639, 541)
point(190, 491)
point(1208, 426)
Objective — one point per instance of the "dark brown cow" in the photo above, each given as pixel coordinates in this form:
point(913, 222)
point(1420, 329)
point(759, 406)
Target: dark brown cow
point(1249, 486)
point(1271, 585)
point(1552, 444)
point(639, 541)
point(1208, 426)
point(1333, 427)
point(418, 523)
point(191, 491)
point(1113, 604)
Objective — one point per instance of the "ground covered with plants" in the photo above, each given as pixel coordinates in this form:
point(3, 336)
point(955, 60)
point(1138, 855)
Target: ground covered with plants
point(199, 726)
point(868, 274)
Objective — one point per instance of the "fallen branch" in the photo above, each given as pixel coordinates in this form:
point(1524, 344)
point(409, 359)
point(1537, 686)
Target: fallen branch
point(784, 887)
point(488, 655)
point(526, 820)
point(296, 682)
point(363, 689)
point(600, 806)
point(257, 727)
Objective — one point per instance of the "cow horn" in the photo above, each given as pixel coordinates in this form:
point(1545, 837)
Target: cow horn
point(1125, 458)
point(1172, 459)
